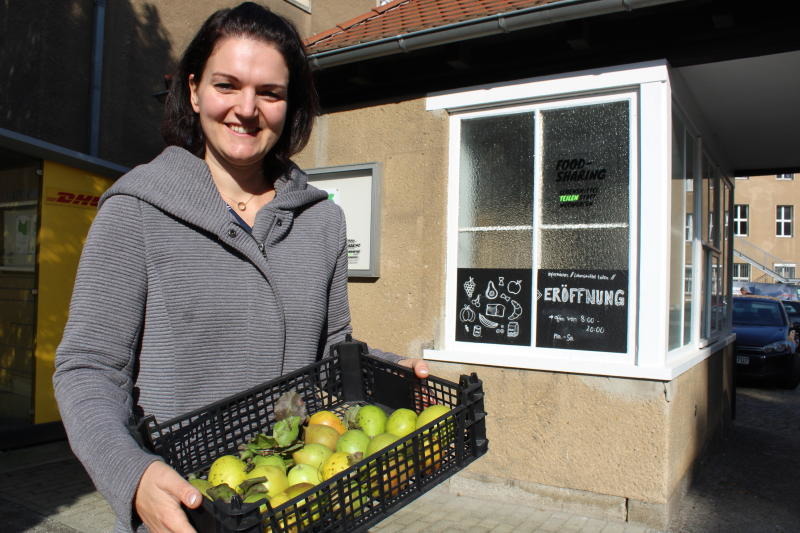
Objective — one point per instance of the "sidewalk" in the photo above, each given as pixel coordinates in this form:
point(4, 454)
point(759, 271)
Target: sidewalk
point(43, 489)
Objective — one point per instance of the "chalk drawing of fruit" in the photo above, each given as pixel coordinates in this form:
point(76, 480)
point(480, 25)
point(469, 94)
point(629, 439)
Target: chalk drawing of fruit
point(486, 322)
point(469, 286)
point(491, 291)
point(467, 314)
point(514, 287)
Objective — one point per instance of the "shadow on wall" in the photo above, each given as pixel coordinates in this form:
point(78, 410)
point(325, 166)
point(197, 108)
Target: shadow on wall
point(138, 54)
point(46, 69)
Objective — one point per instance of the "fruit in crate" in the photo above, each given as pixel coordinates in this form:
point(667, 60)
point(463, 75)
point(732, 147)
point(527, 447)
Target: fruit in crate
point(337, 462)
point(431, 413)
point(353, 441)
point(228, 470)
point(266, 479)
point(328, 418)
point(312, 454)
point(271, 460)
point(401, 422)
point(371, 419)
point(436, 439)
point(321, 434)
point(379, 442)
point(201, 484)
point(303, 473)
point(288, 518)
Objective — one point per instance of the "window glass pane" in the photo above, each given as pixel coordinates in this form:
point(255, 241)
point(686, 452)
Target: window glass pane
point(494, 249)
point(717, 294)
point(587, 249)
point(677, 236)
point(688, 256)
point(20, 190)
point(585, 164)
point(496, 171)
point(495, 234)
point(783, 218)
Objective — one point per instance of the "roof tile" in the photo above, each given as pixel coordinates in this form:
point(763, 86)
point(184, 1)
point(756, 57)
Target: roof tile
point(407, 16)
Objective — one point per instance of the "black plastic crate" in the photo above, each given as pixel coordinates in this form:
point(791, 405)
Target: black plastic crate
point(365, 493)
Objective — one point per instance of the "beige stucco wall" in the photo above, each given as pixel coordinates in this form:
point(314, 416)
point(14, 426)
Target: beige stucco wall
point(401, 310)
point(631, 441)
point(699, 412)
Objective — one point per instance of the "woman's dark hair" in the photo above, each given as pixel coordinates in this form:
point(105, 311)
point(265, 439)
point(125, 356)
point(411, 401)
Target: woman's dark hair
point(181, 126)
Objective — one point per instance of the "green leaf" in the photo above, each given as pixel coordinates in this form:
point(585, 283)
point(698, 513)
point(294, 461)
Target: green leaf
point(221, 492)
point(350, 417)
point(286, 431)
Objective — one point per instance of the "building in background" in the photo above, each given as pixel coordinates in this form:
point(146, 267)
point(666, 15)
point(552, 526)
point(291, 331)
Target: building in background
point(766, 244)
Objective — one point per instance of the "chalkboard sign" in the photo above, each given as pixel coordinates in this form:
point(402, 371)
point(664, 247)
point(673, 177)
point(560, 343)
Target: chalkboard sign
point(582, 310)
point(493, 306)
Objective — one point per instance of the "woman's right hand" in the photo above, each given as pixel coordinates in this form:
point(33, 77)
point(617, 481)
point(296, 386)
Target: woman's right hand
point(159, 496)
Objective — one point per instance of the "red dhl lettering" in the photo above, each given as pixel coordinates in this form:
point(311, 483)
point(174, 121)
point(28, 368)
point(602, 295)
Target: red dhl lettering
point(72, 198)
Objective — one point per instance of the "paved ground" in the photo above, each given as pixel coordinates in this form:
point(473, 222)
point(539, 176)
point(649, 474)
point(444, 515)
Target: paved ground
point(751, 485)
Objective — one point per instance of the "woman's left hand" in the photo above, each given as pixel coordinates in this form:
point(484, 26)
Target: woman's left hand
point(419, 366)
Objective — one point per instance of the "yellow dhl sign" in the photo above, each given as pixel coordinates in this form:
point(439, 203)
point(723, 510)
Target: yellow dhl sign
point(71, 198)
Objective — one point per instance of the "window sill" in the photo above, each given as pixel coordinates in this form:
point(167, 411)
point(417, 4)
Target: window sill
point(679, 362)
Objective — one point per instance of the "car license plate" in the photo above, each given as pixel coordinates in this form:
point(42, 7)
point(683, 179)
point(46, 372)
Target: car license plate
point(742, 360)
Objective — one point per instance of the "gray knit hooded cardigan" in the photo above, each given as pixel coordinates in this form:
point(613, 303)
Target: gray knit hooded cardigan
point(176, 306)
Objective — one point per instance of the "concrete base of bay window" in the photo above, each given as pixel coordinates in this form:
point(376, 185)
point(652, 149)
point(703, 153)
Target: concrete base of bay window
point(617, 448)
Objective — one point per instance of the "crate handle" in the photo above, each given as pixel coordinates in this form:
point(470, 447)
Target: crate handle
point(471, 397)
point(350, 352)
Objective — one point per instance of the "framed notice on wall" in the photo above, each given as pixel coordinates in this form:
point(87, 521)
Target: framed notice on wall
point(356, 189)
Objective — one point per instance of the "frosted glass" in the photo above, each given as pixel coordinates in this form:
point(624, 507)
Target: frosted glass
point(495, 249)
point(496, 171)
point(588, 249)
point(585, 166)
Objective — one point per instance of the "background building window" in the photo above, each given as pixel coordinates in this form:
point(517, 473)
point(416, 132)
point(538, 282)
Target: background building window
point(740, 214)
point(742, 177)
point(787, 270)
point(741, 272)
point(785, 176)
point(783, 221)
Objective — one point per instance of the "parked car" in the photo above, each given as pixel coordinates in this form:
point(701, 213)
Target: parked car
point(793, 310)
point(766, 342)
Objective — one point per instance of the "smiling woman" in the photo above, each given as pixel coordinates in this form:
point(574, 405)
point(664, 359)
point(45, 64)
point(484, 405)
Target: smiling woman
point(209, 270)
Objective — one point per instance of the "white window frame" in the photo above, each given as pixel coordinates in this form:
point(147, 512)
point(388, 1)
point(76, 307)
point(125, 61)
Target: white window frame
point(650, 87)
point(644, 87)
point(780, 218)
point(778, 267)
point(737, 220)
point(785, 177)
point(737, 269)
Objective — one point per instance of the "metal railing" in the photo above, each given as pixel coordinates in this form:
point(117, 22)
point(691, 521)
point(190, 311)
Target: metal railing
point(760, 258)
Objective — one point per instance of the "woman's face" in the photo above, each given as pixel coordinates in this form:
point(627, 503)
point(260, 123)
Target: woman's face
point(241, 99)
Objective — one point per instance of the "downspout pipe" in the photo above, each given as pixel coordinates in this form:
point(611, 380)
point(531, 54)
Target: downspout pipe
point(95, 98)
point(541, 15)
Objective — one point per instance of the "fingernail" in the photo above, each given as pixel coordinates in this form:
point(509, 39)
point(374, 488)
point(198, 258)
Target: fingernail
point(193, 499)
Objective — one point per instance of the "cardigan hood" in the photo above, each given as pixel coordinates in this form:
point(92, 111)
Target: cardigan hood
point(180, 183)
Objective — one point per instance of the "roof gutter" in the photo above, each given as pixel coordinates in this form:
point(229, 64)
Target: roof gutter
point(40, 149)
point(542, 15)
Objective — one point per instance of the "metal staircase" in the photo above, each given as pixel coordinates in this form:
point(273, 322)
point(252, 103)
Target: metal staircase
point(760, 258)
